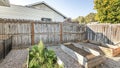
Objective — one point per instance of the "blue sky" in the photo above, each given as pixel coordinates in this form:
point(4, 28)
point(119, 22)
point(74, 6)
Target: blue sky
point(70, 8)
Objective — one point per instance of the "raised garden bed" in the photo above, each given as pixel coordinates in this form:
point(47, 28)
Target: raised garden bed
point(5, 46)
point(88, 60)
point(43, 57)
point(110, 51)
point(81, 52)
point(17, 58)
point(94, 49)
point(106, 49)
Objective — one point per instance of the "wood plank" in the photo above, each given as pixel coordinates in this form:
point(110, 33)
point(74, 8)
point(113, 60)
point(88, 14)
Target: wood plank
point(32, 32)
point(103, 49)
point(61, 32)
point(105, 33)
point(91, 48)
point(81, 51)
point(49, 32)
point(86, 59)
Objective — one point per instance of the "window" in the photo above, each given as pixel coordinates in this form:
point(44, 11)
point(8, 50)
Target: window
point(46, 19)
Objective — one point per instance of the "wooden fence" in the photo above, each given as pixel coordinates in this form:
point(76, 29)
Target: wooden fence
point(106, 33)
point(24, 33)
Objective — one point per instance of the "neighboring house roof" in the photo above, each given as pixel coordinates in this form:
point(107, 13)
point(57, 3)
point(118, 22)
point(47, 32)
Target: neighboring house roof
point(29, 13)
point(22, 12)
point(4, 3)
point(39, 3)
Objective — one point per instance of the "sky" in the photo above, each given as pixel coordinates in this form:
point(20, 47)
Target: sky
point(69, 8)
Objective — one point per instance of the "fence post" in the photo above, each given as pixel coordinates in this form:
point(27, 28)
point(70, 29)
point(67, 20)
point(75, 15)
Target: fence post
point(32, 33)
point(61, 33)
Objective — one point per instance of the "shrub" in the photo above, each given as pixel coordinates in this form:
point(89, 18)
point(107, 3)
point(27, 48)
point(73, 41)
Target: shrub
point(41, 57)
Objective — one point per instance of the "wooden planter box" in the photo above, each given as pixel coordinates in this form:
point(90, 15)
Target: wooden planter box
point(87, 60)
point(59, 61)
point(107, 49)
point(87, 48)
point(110, 51)
point(5, 46)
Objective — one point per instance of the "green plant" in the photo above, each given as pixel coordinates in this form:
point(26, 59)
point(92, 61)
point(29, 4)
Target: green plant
point(41, 57)
point(108, 11)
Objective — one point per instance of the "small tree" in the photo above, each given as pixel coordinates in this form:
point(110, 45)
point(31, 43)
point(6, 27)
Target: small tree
point(79, 19)
point(90, 18)
point(108, 10)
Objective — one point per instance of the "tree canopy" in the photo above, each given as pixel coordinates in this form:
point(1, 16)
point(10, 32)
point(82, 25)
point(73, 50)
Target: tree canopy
point(87, 19)
point(79, 19)
point(108, 11)
point(90, 18)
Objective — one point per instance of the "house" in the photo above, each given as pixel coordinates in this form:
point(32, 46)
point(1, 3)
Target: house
point(37, 11)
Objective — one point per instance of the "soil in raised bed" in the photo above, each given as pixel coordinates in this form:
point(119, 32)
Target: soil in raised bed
point(92, 46)
point(81, 52)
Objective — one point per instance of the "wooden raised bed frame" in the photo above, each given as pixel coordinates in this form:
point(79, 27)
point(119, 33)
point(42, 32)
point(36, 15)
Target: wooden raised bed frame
point(107, 49)
point(87, 60)
point(5, 46)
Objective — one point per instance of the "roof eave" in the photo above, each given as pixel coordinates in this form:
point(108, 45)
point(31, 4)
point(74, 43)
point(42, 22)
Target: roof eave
point(47, 6)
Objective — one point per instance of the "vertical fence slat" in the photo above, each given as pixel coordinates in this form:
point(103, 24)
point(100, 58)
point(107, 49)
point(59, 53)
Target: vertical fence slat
point(32, 33)
point(61, 32)
point(26, 32)
point(105, 33)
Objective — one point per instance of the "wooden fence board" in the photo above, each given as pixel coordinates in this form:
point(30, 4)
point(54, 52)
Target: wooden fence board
point(105, 33)
point(52, 32)
point(26, 33)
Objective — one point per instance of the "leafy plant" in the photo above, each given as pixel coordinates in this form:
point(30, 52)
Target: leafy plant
point(108, 11)
point(41, 57)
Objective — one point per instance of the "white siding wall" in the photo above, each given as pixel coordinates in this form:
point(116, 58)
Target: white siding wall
point(20, 12)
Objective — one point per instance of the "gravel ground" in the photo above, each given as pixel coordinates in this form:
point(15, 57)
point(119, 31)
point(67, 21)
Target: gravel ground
point(15, 59)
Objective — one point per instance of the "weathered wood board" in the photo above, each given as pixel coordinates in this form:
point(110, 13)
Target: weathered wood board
point(88, 47)
point(105, 33)
point(108, 49)
point(103, 49)
point(26, 32)
point(5, 46)
point(72, 32)
point(86, 59)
